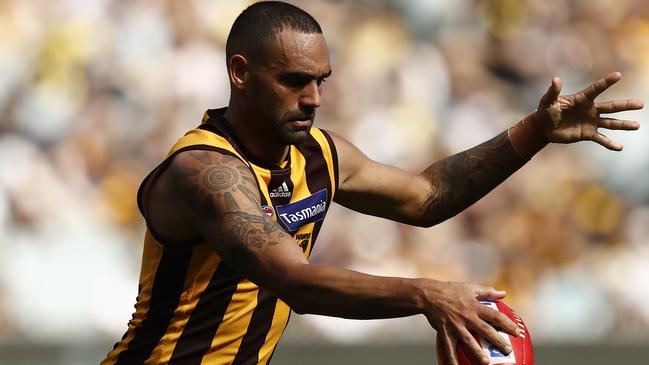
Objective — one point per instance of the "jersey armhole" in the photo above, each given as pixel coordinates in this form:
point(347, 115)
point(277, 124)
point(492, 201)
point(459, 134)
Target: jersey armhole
point(334, 156)
point(145, 186)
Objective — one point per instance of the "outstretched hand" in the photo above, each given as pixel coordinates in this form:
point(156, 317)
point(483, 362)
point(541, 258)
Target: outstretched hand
point(577, 117)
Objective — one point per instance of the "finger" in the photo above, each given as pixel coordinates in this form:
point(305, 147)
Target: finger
point(490, 334)
point(552, 94)
point(499, 320)
point(472, 346)
point(618, 124)
point(607, 142)
point(446, 348)
point(601, 85)
point(440, 350)
point(488, 293)
point(615, 106)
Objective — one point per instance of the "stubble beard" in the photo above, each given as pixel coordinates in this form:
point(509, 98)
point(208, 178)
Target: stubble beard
point(290, 136)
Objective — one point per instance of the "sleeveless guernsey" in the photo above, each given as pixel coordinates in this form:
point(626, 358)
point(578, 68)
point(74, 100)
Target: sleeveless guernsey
point(191, 307)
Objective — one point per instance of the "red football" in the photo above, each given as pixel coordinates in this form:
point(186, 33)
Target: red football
point(522, 352)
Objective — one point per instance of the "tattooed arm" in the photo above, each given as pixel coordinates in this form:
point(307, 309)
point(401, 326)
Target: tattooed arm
point(217, 197)
point(442, 190)
point(220, 196)
point(451, 185)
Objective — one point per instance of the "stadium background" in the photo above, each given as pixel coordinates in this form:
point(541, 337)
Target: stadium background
point(93, 93)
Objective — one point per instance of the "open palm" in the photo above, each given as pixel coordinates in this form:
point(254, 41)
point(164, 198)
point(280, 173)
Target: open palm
point(577, 117)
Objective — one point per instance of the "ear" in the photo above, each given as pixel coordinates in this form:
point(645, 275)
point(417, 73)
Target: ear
point(238, 70)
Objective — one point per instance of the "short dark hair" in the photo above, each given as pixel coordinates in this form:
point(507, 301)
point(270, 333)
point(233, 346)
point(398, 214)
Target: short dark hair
point(258, 24)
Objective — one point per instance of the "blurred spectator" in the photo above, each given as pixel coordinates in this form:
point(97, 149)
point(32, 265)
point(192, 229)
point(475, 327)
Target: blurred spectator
point(93, 93)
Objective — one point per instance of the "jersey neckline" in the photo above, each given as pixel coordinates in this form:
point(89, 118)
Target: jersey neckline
point(214, 122)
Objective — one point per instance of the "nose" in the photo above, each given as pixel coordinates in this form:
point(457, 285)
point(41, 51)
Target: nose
point(311, 96)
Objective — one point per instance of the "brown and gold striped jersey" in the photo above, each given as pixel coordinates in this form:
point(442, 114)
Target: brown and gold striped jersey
point(191, 307)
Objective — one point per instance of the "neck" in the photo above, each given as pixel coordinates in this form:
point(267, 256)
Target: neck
point(253, 141)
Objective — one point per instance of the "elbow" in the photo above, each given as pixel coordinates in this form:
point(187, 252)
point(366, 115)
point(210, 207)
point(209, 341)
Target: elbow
point(424, 223)
point(427, 222)
point(290, 290)
point(434, 214)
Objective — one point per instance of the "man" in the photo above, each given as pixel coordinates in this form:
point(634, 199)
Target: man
point(235, 209)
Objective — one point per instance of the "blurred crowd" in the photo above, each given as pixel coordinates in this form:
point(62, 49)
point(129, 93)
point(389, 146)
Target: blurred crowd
point(94, 92)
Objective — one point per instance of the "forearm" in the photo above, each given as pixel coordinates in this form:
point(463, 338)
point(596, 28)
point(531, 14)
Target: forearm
point(460, 180)
point(333, 291)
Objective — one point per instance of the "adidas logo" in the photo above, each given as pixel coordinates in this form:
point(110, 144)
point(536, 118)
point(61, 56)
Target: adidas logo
point(281, 191)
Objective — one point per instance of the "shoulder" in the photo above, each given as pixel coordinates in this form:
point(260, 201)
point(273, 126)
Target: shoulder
point(350, 158)
point(206, 169)
point(179, 189)
point(340, 143)
point(197, 185)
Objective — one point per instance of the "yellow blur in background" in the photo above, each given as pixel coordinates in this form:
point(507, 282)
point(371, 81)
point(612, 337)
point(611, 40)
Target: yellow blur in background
point(94, 92)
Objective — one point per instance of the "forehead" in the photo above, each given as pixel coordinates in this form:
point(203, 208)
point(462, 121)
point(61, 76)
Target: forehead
point(293, 50)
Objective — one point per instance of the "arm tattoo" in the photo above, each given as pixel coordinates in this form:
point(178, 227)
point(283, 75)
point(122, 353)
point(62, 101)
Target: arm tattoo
point(249, 180)
point(219, 177)
point(244, 225)
point(230, 203)
point(460, 180)
point(202, 157)
point(249, 194)
point(210, 186)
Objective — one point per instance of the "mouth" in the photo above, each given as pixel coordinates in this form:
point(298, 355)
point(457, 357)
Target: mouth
point(301, 122)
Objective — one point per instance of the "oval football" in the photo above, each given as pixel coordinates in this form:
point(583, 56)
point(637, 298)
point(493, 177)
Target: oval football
point(522, 350)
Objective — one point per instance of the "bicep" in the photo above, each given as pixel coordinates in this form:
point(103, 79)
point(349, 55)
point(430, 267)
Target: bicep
point(221, 198)
point(373, 188)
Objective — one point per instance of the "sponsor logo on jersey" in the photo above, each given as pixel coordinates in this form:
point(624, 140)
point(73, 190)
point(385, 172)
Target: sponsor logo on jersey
point(281, 191)
point(268, 210)
point(305, 211)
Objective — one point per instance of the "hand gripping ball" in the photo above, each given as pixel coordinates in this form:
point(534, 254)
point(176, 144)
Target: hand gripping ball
point(522, 352)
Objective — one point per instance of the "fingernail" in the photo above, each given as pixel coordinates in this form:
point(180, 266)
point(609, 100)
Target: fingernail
point(485, 360)
point(508, 349)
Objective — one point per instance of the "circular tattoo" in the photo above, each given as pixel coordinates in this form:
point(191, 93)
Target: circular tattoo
point(218, 178)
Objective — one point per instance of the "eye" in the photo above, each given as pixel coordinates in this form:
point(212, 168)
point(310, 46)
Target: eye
point(296, 81)
point(321, 81)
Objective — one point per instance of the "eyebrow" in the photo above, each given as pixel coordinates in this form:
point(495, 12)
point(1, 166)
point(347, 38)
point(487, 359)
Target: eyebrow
point(309, 75)
point(325, 75)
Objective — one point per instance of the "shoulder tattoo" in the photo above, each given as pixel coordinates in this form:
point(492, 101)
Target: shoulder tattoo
point(220, 185)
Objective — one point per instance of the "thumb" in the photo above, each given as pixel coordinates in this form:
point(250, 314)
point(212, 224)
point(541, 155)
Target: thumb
point(552, 94)
point(489, 293)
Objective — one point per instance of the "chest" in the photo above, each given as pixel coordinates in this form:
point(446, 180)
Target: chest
point(297, 198)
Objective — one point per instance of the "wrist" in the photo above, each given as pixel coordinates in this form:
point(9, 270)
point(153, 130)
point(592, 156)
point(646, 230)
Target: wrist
point(425, 290)
point(526, 137)
point(418, 294)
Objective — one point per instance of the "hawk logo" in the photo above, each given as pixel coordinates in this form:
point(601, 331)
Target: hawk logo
point(281, 191)
point(303, 240)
